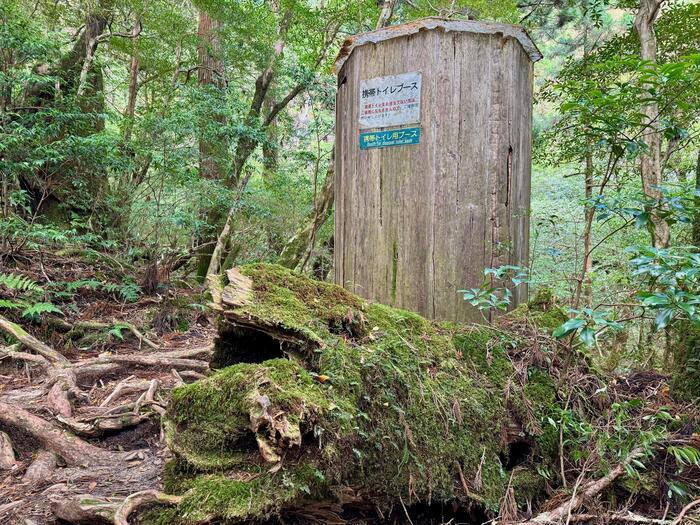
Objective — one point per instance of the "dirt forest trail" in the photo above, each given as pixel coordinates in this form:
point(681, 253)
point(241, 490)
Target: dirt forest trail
point(81, 396)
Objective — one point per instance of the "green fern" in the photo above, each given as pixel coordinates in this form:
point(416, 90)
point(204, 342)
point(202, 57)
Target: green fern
point(21, 283)
point(92, 284)
point(30, 301)
point(6, 303)
point(116, 330)
point(128, 291)
point(40, 308)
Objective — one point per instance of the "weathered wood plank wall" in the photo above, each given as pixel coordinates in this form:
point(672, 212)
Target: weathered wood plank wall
point(415, 223)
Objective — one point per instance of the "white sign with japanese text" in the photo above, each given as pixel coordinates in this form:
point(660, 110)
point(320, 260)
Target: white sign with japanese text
point(390, 101)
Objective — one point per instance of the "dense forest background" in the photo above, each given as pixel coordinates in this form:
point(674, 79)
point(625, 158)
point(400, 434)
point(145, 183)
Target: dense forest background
point(143, 128)
point(163, 142)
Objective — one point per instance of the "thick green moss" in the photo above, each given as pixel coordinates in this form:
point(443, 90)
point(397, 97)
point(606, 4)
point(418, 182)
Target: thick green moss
point(379, 398)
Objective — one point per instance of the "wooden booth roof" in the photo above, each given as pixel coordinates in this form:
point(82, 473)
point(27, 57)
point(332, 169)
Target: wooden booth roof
point(430, 23)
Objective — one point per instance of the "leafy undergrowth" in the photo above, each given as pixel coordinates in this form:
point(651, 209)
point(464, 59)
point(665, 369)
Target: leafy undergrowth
point(65, 295)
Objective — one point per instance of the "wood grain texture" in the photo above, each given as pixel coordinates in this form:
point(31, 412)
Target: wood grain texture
point(413, 224)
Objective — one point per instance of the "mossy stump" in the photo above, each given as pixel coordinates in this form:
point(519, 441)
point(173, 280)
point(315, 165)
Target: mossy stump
point(325, 397)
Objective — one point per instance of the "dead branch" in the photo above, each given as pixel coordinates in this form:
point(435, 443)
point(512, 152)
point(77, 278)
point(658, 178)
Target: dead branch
point(32, 342)
point(96, 325)
point(117, 392)
point(587, 492)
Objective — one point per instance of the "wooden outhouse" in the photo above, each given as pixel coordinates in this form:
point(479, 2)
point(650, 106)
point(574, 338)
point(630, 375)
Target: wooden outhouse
point(433, 152)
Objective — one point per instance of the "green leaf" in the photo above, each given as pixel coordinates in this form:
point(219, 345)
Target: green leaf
point(641, 220)
point(656, 300)
point(663, 318)
point(568, 327)
point(587, 335)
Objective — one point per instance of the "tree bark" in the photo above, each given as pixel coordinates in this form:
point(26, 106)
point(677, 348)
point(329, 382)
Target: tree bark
point(696, 217)
point(651, 172)
point(210, 75)
point(212, 150)
point(387, 11)
point(133, 82)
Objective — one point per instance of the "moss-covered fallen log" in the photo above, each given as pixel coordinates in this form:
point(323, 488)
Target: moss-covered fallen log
point(323, 396)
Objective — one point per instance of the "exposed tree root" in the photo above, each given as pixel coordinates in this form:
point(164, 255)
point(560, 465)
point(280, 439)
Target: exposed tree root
point(139, 499)
point(32, 342)
point(7, 453)
point(85, 508)
point(41, 468)
point(685, 511)
point(73, 450)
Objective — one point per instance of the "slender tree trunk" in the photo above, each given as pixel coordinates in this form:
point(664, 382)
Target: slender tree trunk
point(696, 216)
point(210, 75)
point(130, 110)
point(386, 13)
point(588, 234)
point(222, 240)
point(651, 172)
point(246, 145)
point(270, 146)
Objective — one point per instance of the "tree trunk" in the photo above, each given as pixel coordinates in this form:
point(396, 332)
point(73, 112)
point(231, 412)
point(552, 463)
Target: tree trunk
point(651, 174)
point(585, 283)
point(210, 75)
point(75, 73)
point(246, 145)
point(212, 151)
point(696, 216)
point(387, 11)
point(133, 83)
point(270, 147)
point(344, 406)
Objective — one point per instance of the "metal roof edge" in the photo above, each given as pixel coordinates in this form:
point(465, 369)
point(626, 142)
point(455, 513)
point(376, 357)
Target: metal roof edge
point(430, 23)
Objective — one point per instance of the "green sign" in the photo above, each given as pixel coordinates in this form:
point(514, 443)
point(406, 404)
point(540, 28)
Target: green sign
point(393, 137)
